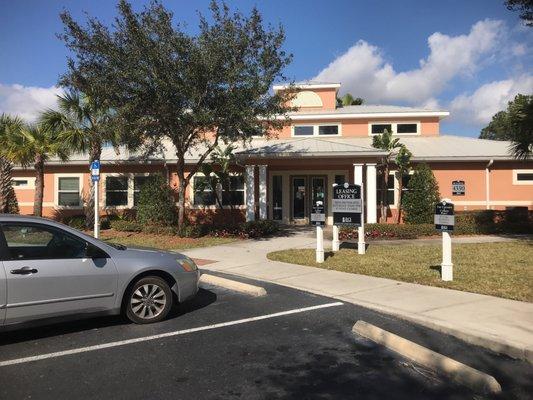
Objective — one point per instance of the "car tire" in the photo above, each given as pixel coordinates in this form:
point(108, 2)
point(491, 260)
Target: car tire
point(149, 300)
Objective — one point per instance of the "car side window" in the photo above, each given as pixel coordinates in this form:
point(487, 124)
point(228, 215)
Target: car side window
point(34, 242)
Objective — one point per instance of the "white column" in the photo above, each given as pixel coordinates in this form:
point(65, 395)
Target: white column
point(371, 194)
point(250, 192)
point(262, 192)
point(358, 180)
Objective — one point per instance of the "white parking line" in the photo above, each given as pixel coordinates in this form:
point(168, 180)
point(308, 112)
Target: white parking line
point(162, 335)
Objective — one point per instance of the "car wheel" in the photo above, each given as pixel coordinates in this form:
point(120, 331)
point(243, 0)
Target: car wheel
point(149, 300)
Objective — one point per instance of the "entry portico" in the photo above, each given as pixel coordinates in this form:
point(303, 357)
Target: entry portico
point(284, 179)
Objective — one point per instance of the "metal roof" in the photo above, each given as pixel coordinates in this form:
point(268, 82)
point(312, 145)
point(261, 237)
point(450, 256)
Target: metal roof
point(424, 148)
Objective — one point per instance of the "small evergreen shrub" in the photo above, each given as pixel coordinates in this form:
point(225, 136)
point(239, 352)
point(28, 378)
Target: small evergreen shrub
point(76, 222)
point(156, 203)
point(419, 201)
point(126, 226)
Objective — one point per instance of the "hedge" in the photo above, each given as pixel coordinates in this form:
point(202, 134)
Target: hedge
point(466, 223)
point(252, 229)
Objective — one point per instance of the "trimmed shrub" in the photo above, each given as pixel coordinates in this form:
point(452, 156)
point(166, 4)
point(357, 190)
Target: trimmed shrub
point(126, 226)
point(159, 230)
point(76, 222)
point(258, 229)
point(418, 203)
point(105, 223)
point(390, 231)
point(156, 203)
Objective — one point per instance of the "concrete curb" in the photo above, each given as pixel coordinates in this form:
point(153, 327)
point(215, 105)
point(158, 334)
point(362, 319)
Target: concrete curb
point(236, 286)
point(496, 345)
point(458, 372)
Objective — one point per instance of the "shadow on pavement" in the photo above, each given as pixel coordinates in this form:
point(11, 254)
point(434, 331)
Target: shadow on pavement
point(57, 327)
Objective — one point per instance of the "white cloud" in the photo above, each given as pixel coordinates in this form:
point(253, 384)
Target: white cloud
point(364, 72)
point(26, 101)
point(479, 107)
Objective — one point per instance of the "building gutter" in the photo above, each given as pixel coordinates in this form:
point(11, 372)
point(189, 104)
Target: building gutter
point(336, 116)
point(487, 183)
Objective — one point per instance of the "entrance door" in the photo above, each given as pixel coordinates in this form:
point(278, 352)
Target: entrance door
point(299, 196)
point(318, 191)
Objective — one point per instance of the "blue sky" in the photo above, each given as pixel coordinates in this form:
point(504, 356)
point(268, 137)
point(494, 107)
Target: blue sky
point(469, 57)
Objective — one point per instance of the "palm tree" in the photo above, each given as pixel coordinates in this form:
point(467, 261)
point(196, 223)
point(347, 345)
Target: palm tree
point(385, 142)
point(84, 126)
point(403, 162)
point(32, 144)
point(8, 200)
point(349, 100)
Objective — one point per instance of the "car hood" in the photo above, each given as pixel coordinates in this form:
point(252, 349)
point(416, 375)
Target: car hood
point(149, 253)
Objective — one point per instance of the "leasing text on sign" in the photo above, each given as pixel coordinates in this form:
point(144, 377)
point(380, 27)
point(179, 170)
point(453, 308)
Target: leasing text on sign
point(347, 205)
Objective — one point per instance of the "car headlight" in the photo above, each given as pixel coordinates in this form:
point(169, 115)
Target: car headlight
point(187, 264)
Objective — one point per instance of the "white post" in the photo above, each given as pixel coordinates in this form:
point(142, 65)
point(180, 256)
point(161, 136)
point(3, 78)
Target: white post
point(319, 244)
point(358, 180)
point(371, 194)
point(335, 244)
point(262, 192)
point(250, 193)
point(96, 210)
point(446, 266)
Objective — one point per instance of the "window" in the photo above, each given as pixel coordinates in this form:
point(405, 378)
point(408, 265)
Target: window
point(68, 191)
point(17, 183)
point(138, 183)
point(340, 179)
point(389, 190)
point(33, 242)
point(116, 191)
point(235, 195)
point(523, 176)
point(316, 130)
point(303, 130)
point(406, 128)
point(396, 128)
point(277, 197)
point(328, 129)
point(378, 129)
point(203, 195)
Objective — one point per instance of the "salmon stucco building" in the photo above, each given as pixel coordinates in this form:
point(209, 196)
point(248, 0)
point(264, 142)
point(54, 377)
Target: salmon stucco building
point(280, 177)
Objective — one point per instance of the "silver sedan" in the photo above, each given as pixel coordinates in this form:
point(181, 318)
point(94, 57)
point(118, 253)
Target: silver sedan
point(49, 270)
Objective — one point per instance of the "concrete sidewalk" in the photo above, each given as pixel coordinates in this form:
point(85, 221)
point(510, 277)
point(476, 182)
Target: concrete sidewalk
point(502, 325)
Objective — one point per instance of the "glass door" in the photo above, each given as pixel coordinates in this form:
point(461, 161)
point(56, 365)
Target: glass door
point(318, 191)
point(299, 186)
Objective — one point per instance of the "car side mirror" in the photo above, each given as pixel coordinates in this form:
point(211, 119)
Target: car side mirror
point(91, 251)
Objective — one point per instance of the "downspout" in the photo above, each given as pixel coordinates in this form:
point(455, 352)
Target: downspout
point(487, 183)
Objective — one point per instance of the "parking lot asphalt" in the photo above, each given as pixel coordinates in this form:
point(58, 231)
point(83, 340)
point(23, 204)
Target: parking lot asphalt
point(304, 354)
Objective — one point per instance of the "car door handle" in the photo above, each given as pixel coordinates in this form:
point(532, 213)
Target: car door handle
point(24, 271)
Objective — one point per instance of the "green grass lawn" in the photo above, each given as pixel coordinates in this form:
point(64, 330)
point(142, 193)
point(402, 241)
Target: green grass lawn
point(163, 242)
point(496, 269)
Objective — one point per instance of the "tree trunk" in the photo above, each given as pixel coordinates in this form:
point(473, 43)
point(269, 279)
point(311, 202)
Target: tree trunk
point(182, 187)
point(39, 186)
point(94, 154)
point(384, 194)
point(8, 199)
point(400, 194)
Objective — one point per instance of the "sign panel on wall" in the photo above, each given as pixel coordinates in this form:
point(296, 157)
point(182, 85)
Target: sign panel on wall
point(458, 188)
point(444, 216)
point(347, 205)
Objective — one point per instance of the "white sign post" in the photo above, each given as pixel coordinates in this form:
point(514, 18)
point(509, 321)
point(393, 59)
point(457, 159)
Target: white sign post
point(95, 177)
point(361, 246)
point(318, 218)
point(445, 221)
point(335, 244)
point(319, 244)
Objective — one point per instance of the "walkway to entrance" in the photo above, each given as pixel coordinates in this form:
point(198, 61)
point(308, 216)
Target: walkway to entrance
point(499, 324)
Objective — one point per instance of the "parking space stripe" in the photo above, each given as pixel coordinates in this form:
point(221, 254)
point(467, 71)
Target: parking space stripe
point(163, 335)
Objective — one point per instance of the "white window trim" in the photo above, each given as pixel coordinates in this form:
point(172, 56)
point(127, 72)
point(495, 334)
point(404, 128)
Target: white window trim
point(396, 188)
point(394, 126)
point(56, 191)
point(29, 186)
point(214, 206)
point(315, 129)
point(521, 171)
point(131, 188)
